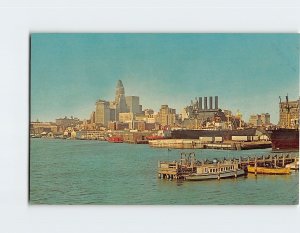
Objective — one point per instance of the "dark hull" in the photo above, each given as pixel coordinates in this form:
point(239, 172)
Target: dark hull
point(225, 134)
point(285, 139)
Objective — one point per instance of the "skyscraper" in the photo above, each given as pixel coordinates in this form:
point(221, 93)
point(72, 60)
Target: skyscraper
point(133, 104)
point(120, 98)
point(102, 114)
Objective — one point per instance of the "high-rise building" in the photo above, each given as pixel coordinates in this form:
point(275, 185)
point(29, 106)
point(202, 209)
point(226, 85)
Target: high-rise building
point(93, 117)
point(110, 111)
point(120, 98)
point(260, 119)
point(103, 112)
point(133, 104)
point(167, 116)
point(265, 119)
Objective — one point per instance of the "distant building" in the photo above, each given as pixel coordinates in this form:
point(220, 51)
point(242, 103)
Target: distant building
point(148, 112)
point(201, 110)
point(140, 117)
point(102, 115)
point(120, 99)
point(167, 116)
point(117, 110)
point(122, 126)
point(289, 114)
point(93, 117)
point(90, 134)
point(126, 116)
point(133, 104)
point(42, 127)
point(260, 119)
point(67, 122)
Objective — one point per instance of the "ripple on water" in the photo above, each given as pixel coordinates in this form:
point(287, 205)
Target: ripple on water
point(93, 172)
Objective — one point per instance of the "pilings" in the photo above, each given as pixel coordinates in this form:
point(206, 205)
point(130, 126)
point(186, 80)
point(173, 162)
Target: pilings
point(188, 165)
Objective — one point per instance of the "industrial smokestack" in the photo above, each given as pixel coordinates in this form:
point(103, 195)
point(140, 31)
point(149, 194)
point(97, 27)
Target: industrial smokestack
point(205, 103)
point(210, 102)
point(200, 103)
point(216, 102)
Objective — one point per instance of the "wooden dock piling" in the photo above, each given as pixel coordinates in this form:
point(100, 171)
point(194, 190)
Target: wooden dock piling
point(188, 165)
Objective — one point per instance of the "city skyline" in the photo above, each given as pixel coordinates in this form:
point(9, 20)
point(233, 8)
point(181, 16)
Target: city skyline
point(70, 72)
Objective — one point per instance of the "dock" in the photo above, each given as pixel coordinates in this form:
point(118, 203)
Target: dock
point(198, 144)
point(188, 166)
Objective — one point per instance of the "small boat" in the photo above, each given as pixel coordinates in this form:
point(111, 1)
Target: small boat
point(115, 139)
point(268, 170)
point(293, 166)
point(155, 137)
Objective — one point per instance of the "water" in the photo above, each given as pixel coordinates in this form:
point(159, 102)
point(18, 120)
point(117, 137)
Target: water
point(94, 172)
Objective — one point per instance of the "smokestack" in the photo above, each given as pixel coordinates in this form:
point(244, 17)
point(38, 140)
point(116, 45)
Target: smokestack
point(210, 102)
point(216, 102)
point(200, 103)
point(205, 103)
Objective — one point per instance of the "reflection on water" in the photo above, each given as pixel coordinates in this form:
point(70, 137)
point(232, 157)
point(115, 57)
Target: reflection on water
point(93, 172)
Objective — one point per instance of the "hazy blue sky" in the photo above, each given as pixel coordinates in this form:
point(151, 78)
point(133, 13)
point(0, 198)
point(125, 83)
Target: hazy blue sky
point(69, 72)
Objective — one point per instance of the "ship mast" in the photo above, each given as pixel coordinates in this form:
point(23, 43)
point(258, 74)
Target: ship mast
point(288, 114)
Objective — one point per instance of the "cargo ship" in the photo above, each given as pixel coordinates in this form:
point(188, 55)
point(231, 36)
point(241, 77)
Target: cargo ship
point(284, 139)
point(225, 134)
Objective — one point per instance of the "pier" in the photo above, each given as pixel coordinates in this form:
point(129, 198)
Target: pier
point(188, 166)
point(198, 144)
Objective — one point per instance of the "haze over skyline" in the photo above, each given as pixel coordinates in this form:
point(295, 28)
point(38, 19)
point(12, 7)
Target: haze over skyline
point(69, 72)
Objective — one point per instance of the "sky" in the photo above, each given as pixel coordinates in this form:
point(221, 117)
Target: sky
point(69, 72)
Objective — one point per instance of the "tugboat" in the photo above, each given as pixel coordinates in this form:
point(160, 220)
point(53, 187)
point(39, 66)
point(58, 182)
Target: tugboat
point(114, 139)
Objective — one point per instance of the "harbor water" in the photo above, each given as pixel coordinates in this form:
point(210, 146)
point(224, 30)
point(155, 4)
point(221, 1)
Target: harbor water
point(97, 172)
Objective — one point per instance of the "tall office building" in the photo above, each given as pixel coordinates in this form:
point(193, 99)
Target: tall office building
point(133, 104)
point(102, 114)
point(120, 98)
